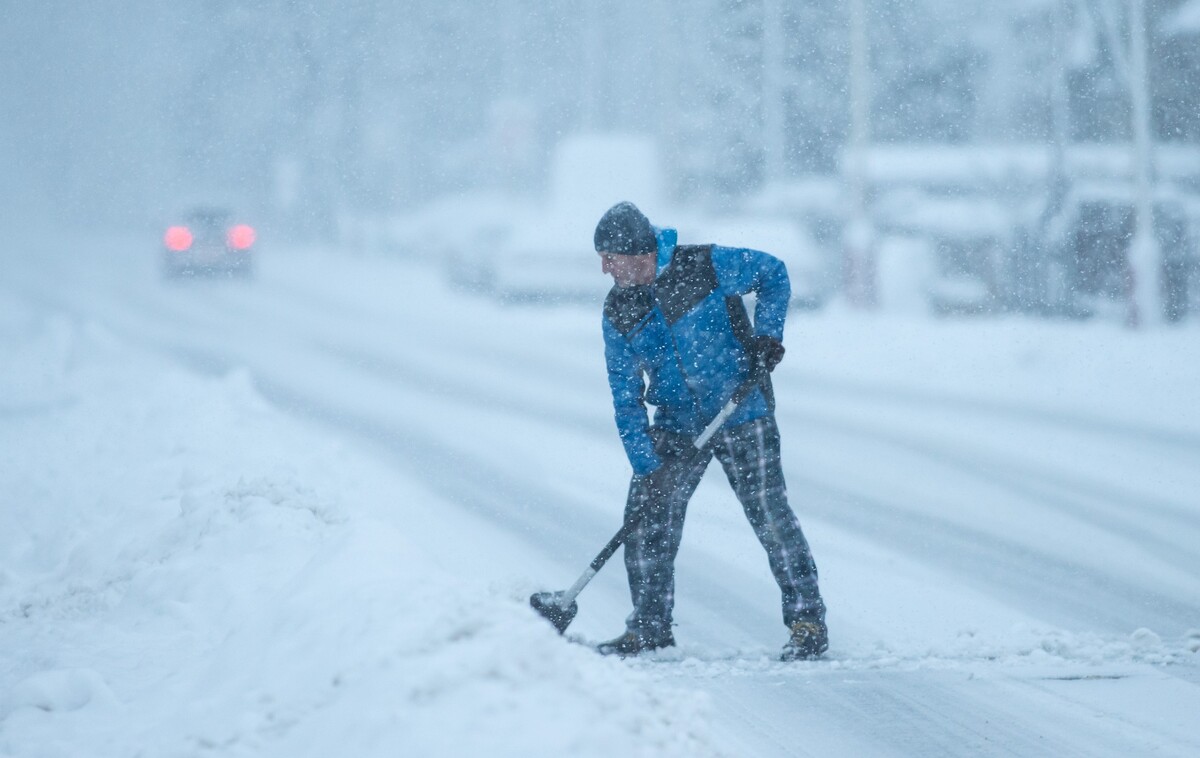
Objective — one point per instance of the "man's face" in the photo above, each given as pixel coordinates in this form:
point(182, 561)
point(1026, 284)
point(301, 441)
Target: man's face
point(628, 270)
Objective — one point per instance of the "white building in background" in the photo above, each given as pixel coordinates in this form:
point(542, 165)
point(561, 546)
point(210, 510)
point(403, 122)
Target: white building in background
point(991, 233)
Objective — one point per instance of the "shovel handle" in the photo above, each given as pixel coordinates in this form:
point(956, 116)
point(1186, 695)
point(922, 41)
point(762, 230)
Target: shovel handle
point(569, 595)
point(745, 388)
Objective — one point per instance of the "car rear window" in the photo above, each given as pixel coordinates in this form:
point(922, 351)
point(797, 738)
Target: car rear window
point(209, 223)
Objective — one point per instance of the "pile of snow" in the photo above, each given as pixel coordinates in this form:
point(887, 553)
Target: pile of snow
point(186, 570)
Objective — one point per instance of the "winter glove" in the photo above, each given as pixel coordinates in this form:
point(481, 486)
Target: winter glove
point(661, 481)
point(677, 454)
point(765, 351)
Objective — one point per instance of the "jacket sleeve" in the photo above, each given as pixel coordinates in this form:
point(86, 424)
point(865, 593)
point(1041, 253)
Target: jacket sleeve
point(628, 391)
point(741, 271)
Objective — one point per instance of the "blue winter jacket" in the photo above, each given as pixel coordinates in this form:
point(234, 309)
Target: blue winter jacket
point(685, 333)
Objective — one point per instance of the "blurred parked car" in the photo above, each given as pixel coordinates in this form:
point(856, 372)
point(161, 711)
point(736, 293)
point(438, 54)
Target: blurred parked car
point(548, 258)
point(208, 241)
point(466, 233)
point(959, 244)
point(520, 249)
point(1091, 241)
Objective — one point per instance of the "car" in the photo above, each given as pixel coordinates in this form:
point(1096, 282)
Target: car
point(957, 246)
point(208, 241)
point(463, 233)
point(539, 250)
point(1091, 239)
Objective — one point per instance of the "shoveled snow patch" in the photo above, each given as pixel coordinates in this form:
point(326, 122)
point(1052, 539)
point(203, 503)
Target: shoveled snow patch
point(1020, 646)
point(188, 571)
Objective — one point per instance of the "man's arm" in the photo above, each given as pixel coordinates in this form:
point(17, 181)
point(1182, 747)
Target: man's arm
point(629, 406)
point(741, 271)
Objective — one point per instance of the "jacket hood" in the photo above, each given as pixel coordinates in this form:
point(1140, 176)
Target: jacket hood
point(667, 239)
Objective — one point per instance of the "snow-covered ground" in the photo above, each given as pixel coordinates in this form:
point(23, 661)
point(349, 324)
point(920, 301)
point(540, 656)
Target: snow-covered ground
point(303, 515)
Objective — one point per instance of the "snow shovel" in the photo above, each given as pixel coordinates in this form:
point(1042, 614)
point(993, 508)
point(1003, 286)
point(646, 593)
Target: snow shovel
point(559, 608)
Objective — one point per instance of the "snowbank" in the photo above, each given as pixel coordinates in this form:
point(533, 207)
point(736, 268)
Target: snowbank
point(187, 571)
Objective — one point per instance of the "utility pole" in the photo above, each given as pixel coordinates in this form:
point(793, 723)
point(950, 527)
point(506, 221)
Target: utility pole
point(1145, 259)
point(1057, 90)
point(774, 117)
point(1039, 287)
point(592, 75)
point(858, 238)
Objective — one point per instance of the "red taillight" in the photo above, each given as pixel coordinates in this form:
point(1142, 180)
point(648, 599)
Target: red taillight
point(240, 237)
point(178, 238)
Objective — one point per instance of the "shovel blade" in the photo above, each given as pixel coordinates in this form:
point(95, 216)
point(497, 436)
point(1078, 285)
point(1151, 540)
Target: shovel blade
point(547, 604)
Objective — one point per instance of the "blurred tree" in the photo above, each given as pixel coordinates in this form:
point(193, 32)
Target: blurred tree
point(1175, 70)
point(926, 71)
point(370, 104)
point(816, 102)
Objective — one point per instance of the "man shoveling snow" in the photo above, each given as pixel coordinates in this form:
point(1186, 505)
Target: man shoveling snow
point(677, 335)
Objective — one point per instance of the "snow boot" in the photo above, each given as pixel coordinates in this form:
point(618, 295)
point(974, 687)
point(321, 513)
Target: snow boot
point(632, 643)
point(809, 640)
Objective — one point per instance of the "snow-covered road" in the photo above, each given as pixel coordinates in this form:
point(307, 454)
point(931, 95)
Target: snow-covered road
point(1003, 512)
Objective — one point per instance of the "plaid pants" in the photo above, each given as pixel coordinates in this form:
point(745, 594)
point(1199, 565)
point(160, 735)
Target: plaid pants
point(750, 456)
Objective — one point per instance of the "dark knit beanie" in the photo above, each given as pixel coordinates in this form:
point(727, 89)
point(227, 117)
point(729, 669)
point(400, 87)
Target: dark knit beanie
point(625, 230)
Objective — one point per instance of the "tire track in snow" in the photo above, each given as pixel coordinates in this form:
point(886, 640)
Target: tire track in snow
point(1064, 593)
point(1036, 485)
point(480, 346)
point(205, 316)
point(452, 385)
point(1187, 442)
